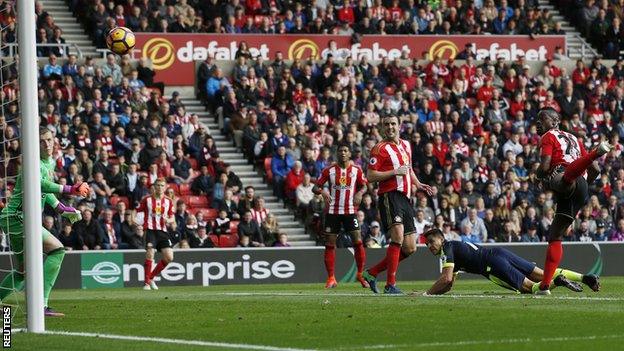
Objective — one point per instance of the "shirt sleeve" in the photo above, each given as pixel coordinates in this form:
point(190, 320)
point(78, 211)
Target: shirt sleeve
point(323, 178)
point(50, 187)
point(447, 257)
point(375, 158)
point(141, 207)
point(546, 145)
point(361, 180)
point(50, 199)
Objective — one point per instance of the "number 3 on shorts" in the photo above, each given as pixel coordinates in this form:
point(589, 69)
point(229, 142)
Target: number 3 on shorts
point(355, 223)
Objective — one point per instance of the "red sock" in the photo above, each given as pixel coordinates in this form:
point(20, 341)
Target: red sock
point(578, 167)
point(553, 258)
point(159, 267)
point(383, 265)
point(392, 257)
point(360, 256)
point(148, 270)
point(330, 259)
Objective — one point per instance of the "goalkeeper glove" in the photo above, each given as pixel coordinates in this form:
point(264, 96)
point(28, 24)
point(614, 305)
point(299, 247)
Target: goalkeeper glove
point(72, 214)
point(78, 189)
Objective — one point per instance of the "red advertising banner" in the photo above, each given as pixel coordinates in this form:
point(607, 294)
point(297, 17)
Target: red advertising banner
point(173, 55)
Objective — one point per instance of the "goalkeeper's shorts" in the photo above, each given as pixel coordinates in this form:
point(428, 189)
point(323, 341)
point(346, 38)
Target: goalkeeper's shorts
point(13, 226)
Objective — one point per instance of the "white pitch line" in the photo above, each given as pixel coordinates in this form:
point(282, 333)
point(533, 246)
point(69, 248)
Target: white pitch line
point(487, 342)
point(173, 341)
point(517, 297)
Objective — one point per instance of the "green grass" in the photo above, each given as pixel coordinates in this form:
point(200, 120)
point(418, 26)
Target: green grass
point(309, 317)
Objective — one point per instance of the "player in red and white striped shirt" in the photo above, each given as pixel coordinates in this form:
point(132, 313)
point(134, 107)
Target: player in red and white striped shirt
point(342, 198)
point(567, 169)
point(390, 165)
point(158, 217)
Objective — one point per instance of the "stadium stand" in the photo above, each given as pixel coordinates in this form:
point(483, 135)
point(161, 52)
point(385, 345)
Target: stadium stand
point(470, 123)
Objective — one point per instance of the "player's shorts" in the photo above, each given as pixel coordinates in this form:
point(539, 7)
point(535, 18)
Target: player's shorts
point(13, 226)
point(568, 203)
point(507, 269)
point(158, 239)
point(395, 208)
point(333, 223)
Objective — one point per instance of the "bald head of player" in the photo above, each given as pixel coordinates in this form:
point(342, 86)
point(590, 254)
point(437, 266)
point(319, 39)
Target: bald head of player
point(547, 119)
point(391, 125)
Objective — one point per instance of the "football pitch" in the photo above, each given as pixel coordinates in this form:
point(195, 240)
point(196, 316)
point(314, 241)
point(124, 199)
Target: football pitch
point(476, 315)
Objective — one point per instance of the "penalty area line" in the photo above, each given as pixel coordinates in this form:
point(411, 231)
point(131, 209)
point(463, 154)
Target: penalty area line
point(487, 342)
point(446, 296)
point(223, 345)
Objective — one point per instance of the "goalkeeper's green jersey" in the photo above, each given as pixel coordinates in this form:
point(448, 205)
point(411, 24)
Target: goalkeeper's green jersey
point(48, 189)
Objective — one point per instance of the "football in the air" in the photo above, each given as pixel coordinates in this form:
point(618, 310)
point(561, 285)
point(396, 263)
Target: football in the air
point(120, 40)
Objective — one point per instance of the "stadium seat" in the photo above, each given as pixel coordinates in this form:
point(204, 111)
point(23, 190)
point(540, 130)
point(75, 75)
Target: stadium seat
point(234, 227)
point(185, 189)
point(195, 201)
point(116, 199)
point(228, 240)
point(194, 164)
point(214, 239)
point(267, 169)
point(210, 213)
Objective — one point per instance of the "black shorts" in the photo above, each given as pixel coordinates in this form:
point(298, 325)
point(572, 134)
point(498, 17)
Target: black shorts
point(158, 239)
point(395, 208)
point(568, 205)
point(507, 269)
point(333, 223)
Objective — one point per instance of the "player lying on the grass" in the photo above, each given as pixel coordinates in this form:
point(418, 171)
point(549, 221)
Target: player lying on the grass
point(12, 224)
point(499, 265)
point(342, 199)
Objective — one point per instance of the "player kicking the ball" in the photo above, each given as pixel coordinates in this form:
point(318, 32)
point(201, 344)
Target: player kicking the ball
point(390, 165)
point(566, 169)
point(499, 265)
point(12, 223)
point(159, 214)
point(344, 178)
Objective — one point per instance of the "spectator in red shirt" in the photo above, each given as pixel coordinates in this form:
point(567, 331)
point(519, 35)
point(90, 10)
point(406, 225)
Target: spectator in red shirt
point(580, 74)
point(486, 91)
point(345, 14)
point(293, 179)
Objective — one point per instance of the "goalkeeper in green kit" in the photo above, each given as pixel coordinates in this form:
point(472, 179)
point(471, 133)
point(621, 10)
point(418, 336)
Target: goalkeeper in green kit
point(12, 224)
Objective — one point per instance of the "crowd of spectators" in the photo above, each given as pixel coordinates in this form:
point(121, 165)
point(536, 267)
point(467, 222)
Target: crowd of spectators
point(48, 32)
point(471, 126)
point(599, 21)
point(116, 131)
point(317, 17)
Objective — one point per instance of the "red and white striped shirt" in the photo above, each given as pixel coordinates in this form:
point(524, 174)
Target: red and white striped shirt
point(259, 215)
point(156, 211)
point(343, 184)
point(563, 147)
point(386, 156)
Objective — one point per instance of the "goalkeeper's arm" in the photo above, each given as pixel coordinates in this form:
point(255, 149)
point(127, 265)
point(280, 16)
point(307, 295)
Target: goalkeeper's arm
point(65, 211)
point(78, 189)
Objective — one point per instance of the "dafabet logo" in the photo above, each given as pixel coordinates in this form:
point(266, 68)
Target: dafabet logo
point(444, 49)
point(160, 51)
point(303, 49)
